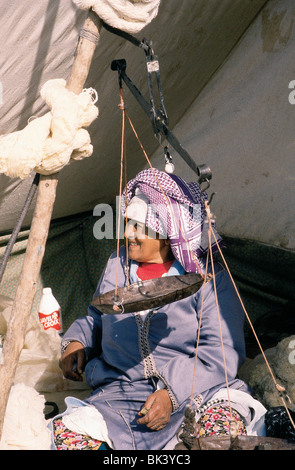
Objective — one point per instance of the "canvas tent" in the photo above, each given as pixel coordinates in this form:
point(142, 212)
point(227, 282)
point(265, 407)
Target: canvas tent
point(226, 69)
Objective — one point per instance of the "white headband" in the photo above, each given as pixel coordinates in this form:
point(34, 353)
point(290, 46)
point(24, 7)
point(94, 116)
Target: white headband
point(137, 208)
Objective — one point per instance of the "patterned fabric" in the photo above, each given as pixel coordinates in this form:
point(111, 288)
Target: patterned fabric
point(215, 421)
point(179, 213)
point(65, 439)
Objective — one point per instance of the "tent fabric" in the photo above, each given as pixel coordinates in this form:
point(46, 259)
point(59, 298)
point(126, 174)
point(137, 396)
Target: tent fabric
point(265, 277)
point(191, 42)
point(242, 125)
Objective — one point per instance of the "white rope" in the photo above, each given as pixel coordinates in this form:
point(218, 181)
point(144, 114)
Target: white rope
point(50, 142)
point(126, 15)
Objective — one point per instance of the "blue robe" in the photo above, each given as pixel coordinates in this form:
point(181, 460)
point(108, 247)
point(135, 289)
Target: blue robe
point(129, 356)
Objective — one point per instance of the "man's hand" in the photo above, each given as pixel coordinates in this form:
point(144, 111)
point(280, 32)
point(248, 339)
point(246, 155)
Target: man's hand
point(72, 362)
point(156, 410)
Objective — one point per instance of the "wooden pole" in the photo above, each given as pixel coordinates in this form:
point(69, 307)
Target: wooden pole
point(22, 306)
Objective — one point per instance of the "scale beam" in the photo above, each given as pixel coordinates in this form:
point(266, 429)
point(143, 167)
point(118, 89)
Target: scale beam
point(159, 121)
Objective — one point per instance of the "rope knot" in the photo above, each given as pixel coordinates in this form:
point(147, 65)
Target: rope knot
point(280, 388)
point(233, 429)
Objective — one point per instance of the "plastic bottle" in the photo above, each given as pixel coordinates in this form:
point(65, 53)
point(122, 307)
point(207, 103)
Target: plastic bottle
point(50, 311)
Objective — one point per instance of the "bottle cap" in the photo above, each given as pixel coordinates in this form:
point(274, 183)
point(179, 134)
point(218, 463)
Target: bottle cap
point(47, 290)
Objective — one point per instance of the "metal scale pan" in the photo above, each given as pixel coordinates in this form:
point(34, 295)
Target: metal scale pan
point(145, 295)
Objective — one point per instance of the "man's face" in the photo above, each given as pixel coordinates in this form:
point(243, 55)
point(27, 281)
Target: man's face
point(145, 247)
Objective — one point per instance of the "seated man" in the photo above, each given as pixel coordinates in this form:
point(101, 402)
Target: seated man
point(142, 366)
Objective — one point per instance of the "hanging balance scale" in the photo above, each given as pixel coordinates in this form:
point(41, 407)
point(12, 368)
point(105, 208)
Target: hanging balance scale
point(145, 295)
point(152, 293)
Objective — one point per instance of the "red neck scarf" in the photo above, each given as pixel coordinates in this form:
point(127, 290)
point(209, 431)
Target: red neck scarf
point(152, 270)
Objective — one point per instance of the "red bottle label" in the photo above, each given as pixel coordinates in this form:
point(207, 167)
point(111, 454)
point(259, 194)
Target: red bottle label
point(50, 321)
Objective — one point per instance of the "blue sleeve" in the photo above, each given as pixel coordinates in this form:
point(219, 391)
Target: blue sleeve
point(86, 330)
point(180, 375)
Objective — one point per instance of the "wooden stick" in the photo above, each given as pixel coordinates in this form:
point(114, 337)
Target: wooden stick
point(22, 306)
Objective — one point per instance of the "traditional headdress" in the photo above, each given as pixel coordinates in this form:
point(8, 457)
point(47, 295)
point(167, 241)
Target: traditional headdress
point(174, 209)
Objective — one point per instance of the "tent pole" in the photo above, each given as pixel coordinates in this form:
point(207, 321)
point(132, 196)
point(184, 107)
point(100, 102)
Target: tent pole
point(22, 306)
